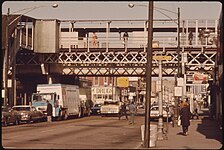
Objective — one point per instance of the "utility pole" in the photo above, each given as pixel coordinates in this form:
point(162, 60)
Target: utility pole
point(178, 67)
point(148, 76)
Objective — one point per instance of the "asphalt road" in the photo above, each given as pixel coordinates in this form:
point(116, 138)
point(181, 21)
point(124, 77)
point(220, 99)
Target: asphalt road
point(94, 132)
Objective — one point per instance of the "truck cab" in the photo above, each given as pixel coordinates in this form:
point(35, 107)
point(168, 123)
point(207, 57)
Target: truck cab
point(39, 100)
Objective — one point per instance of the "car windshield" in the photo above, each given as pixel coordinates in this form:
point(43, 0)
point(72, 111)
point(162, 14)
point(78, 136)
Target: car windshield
point(22, 108)
point(157, 108)
point(97, 105)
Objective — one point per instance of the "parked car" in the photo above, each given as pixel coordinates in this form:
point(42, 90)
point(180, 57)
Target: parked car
point(167, 112)
point(28, 113)
point(9, 116)
point(110, 107)
point(95, 110)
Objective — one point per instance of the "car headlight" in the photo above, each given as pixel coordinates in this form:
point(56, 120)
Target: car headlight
point(25, 115)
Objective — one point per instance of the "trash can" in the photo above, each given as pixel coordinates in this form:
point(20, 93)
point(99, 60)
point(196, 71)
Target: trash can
point(153, 134)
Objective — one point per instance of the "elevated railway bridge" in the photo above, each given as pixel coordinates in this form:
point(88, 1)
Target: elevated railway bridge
point(57, 48)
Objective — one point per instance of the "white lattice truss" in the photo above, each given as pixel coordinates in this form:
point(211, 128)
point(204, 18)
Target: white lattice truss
point(121, 63)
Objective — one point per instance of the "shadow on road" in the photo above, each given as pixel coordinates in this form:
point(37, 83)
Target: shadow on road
point(210, 128)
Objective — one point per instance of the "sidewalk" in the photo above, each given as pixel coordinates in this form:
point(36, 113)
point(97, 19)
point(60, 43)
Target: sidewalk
point(203, 134)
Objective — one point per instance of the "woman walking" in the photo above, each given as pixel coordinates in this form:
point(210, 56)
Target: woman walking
point(185, 116)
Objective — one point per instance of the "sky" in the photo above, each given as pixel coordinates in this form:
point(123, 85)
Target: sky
point(109, 10)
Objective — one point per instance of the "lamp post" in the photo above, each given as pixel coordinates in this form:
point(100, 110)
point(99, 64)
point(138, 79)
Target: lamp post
point(149, 65)
point(148, 73)
point(12, 59)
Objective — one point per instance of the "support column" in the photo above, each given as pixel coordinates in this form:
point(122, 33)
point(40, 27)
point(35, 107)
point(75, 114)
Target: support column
point(107, 36)
point(27, 34)
point(186, 40)
point(145, 37)
point(6, 60)
point(25, 100)
point(196, 33)
point(14, 69)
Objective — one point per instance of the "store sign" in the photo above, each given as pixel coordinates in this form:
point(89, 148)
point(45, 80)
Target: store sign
point(102, 90)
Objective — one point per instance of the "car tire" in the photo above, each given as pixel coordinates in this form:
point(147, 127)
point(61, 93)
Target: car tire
point(30, 119)
point(5, 123)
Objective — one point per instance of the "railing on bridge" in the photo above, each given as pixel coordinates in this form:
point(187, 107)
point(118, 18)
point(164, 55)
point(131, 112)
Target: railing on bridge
point(77, 34)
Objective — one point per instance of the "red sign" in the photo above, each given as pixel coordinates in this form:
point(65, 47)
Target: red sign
point(200, 78)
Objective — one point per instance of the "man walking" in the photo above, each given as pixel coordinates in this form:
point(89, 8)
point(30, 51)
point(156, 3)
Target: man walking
point(49, 111)
point(195, 105)
point(132, 109)
point(123, 111)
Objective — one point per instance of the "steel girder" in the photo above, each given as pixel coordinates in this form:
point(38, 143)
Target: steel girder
point(121, 63)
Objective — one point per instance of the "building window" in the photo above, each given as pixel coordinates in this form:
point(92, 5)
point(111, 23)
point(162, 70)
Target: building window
point(96, 81)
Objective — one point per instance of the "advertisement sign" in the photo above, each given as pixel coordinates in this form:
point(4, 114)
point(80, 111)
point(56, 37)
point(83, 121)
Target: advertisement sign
point(200, 78)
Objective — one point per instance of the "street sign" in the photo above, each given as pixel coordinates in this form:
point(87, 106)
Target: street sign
point(178, 91)
point(162, 57)
point(122, 82)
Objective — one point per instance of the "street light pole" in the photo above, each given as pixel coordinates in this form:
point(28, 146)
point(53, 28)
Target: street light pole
point(148, 76)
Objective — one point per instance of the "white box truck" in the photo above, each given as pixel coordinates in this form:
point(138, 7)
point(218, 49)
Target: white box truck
point(64, 99)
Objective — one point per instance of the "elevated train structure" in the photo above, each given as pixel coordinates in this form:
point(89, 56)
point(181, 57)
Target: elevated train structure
point(60, 50)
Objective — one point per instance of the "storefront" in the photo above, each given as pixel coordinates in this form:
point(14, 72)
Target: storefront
point(102, 93)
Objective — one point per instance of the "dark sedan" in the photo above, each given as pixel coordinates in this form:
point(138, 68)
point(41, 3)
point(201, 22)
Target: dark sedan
point(95, 110)
point(9, 116)
point(28, 113)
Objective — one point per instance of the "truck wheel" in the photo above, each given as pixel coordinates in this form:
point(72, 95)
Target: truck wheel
point(60, 115)
point(80, 113)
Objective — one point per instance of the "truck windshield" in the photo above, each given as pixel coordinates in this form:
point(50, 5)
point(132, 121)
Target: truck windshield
point(42, 97)
point(111, 103)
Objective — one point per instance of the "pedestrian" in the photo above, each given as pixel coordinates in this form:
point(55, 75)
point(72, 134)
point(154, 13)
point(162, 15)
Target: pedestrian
point(49, 111)
point(190, 37)
point(185, 116)
point(201, 36)
point(195, 108)
point(132, 110)
point(125, 38)
point(123, 111)
point(94, 39)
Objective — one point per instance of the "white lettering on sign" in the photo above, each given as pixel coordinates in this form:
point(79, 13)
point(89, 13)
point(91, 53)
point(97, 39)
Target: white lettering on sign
point(102, 90)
